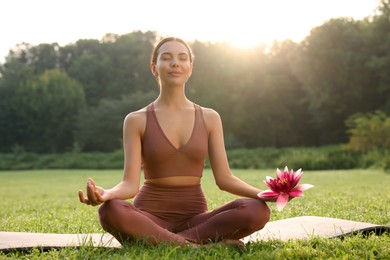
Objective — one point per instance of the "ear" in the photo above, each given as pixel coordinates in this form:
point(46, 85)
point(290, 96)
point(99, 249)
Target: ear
point(153, 69)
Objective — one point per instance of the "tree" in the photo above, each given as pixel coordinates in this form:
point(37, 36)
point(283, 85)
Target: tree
point(115, 66)
point(379, 60)
point(90, 65)
point(291, 94)
point(368, 131)
point(332, 65)
point(130, 58)
point(46, 108)
point(100, 128)
point(14, 72)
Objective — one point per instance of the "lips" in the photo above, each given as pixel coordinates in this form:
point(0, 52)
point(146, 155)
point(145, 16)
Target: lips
point(175, 73)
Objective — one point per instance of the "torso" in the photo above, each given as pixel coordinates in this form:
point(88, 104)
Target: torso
point(176, 132)
point(177, 126)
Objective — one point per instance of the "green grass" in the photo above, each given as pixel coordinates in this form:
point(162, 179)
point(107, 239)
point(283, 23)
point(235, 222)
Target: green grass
point(46, 201)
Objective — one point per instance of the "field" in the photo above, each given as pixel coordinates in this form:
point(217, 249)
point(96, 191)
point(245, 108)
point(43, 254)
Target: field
point(46, 201)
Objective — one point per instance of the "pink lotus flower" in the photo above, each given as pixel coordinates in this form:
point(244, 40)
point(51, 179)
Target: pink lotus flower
point(284, 187)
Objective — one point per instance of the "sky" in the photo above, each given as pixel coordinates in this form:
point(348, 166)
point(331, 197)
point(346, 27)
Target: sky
point(242, 23)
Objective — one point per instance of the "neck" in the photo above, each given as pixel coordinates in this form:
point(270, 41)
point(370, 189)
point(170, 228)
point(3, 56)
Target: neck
point(173, 98)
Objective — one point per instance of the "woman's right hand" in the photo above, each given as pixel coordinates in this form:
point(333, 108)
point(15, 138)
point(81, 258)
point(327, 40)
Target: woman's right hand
point(95, 194)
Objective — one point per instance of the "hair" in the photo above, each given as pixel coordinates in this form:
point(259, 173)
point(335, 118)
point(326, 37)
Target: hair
point(169, 39)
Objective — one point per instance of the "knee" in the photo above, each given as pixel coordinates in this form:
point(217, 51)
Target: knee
point(259, 214)
point(265, 213)
point(108, 210)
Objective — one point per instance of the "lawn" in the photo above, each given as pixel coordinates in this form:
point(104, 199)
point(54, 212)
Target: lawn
point(46, 201)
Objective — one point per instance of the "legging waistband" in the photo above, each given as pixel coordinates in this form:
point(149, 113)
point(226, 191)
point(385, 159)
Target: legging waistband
point(171, 203)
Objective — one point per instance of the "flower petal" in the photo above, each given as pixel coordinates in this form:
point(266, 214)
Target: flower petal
point(267, 194)
point(281, 201)
point(296, 193)
point(279, 173)
point(272, 184)
point(291, 176)
point(303, 187)
point(298, 172)
point(297, 176)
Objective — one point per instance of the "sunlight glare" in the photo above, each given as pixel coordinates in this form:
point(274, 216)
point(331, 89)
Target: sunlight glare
point(240, 23)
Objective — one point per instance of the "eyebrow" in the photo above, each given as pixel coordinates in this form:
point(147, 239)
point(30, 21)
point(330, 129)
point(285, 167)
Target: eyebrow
point(169, 53)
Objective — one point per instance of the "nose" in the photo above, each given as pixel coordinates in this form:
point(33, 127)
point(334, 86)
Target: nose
point(174, 63)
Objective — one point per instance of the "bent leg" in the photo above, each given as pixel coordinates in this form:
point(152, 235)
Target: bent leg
point(234, 220)
point(126, 223)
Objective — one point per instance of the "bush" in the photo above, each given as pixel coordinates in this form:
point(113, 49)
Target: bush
point(376, 158)
point(308, 158)
point(93, 160)
point(368, 131)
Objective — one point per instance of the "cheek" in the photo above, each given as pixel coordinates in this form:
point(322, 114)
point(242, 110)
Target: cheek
point(188, 67)
point(159, 68)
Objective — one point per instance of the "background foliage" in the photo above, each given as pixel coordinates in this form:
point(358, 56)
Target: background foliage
point(55, 98)
point(308, 158)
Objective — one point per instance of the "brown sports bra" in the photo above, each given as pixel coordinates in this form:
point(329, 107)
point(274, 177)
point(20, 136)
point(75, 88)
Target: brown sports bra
point(162, 159)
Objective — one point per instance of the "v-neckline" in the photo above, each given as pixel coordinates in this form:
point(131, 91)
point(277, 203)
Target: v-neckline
point(166, 137)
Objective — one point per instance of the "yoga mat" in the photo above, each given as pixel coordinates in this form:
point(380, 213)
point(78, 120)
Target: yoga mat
point(305, 227)
point(25, 240)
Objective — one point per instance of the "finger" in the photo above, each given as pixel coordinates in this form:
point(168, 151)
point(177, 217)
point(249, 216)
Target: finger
point(84, 199)
point(90, 191)
point(81, 197)
point(94, 196)
point(92, 182)
point(99, 196)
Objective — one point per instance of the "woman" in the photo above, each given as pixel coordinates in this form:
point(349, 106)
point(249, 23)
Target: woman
point(170, 139)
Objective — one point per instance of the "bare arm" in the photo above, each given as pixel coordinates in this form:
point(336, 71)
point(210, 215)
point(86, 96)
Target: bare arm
point(133, 127)
point(224, 178)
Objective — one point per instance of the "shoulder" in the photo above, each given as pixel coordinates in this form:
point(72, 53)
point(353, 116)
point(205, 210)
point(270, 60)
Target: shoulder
point(210, 114)
point(136, 119)
point(211, 118)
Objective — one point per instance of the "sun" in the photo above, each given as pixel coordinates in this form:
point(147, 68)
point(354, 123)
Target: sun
point(242, 24)
point(245, 40)
point(247, 25)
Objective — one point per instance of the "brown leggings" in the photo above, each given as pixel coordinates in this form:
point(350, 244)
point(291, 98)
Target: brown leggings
point(177, 215)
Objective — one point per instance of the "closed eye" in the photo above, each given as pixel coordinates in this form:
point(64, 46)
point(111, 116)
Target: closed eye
point(165, 56)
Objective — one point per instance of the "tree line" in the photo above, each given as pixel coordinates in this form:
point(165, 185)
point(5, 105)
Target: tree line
point(59, 98)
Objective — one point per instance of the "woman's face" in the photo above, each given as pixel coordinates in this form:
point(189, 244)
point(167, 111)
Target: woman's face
point(173, 65)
